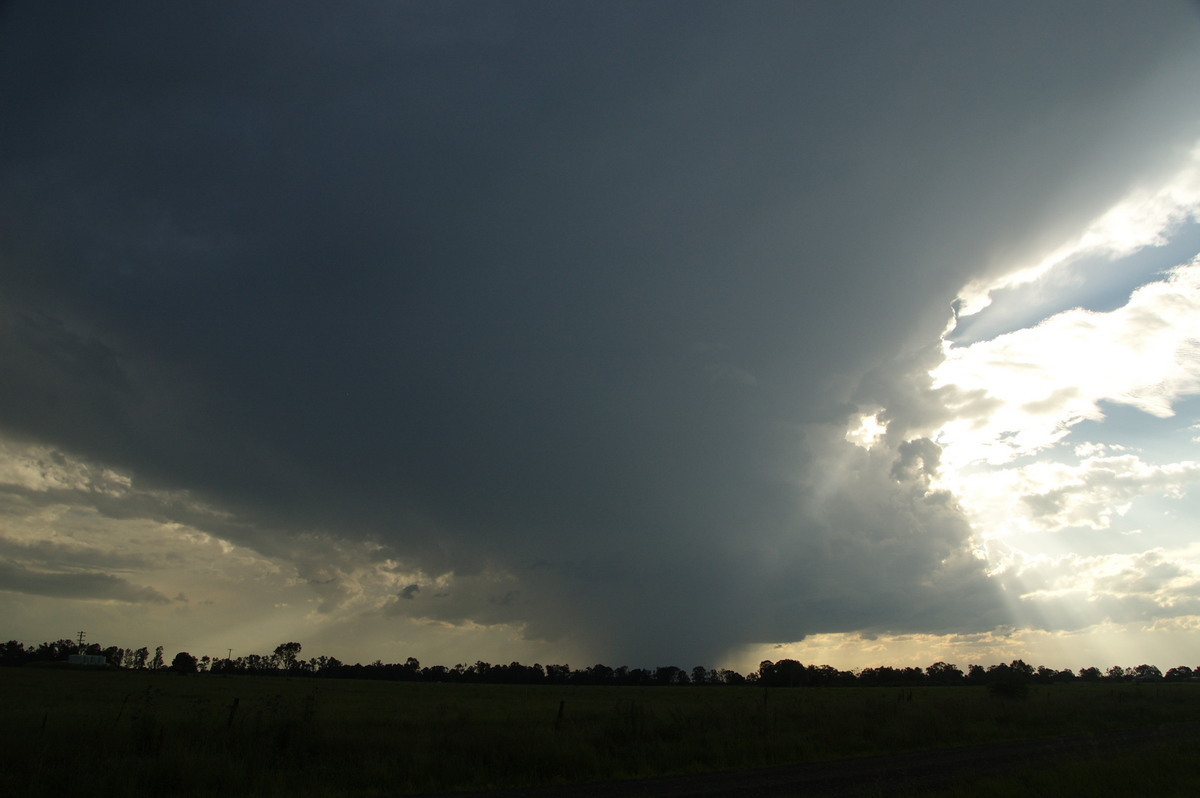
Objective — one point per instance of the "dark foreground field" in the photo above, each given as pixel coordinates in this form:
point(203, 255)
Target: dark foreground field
point(1158, 761)
point(138, 733)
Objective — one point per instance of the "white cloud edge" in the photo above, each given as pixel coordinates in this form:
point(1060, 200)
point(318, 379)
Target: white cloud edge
point(1141, 219)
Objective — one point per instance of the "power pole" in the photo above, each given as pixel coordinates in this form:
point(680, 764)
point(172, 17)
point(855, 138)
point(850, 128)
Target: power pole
point(82, 635)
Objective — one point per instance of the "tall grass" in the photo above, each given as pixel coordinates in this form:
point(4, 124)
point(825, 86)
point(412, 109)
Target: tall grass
point(134, 733)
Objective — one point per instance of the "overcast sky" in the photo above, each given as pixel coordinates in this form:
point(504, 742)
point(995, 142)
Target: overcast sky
point(646, 333)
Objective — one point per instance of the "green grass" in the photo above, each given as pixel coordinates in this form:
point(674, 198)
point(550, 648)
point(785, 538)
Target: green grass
point(136, 733)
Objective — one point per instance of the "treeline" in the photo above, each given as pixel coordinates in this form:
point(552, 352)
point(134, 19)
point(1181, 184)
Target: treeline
point(285, 660)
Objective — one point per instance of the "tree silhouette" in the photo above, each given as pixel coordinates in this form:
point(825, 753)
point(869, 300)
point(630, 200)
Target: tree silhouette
point(1147, 673)
point(1011, 680)
point(285, 655)
point(942, 673)
point(183, 663)
point(13, 654)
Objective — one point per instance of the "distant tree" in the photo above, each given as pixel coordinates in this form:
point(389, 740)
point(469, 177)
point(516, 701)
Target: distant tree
point(1115, 674)
point(944, 674)
point(114, 656)
point(434, 673)
point(285, 655)
point(1044, 675)
point(256, 663)
point(670, 674)
point(157, 662)
point(1147, 673)
point(53, 652)
point(599, 674)
point(881, 676)
point(1019, 666)
point(1180, 673)
point(1010, 681)
point(221, 665)
point(639, 676)
point(784, 673)
point(1092, 674)
point(183, 663)
point(512, 673)
point(826, 676)
point(727, 676)
point(324, 665)
point(12, 653)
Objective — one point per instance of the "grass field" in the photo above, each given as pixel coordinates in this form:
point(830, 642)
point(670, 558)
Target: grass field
point(131, 733)
point(1164, 769)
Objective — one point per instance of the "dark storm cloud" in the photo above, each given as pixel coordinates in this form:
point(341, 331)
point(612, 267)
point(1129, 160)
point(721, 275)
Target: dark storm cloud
point(577, 293)
point(43, 554)
point(76, 585)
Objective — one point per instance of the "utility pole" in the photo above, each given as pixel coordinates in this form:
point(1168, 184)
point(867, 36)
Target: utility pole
point(82, 635)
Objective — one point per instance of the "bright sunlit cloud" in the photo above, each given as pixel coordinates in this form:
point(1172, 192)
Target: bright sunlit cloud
point(1076, 519)
point(1037, 383)
point(868, 432)
point(1143, 219)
